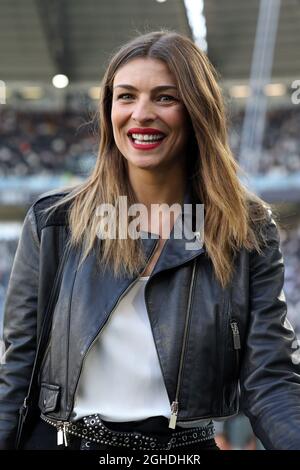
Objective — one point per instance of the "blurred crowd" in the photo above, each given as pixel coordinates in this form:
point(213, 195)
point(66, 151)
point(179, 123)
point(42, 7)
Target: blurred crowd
point(46, 143)
point(59, 143)
point(281, 144)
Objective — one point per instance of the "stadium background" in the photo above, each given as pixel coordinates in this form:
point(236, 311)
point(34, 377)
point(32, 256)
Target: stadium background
point(48, 134)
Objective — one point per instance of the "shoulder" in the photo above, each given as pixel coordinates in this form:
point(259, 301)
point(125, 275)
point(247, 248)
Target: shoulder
point(263, 219)
point(266, 258)
point(44, 209)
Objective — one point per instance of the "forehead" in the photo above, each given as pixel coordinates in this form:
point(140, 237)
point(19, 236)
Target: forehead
point(144, 71)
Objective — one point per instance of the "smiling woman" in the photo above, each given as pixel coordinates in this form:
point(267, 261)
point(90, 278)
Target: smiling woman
point(143, 107)
point(142, 342)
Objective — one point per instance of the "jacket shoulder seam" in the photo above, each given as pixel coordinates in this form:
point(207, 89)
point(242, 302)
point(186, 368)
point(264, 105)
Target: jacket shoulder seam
point(33, 222)
point(43, 202)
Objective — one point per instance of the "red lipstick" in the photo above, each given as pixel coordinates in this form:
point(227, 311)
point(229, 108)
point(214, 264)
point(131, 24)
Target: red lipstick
point(144, 130)
point(145, 144)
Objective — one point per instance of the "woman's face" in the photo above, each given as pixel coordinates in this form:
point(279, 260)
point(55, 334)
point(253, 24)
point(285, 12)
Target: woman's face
point(150, 122)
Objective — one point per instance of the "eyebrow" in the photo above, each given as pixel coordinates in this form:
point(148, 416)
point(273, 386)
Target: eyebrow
point(157, 88)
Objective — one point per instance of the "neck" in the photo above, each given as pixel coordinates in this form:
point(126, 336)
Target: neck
point(158, 188)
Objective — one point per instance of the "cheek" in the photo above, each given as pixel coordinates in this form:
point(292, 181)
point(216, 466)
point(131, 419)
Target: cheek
point(114, 117)
point(175, 118)
point(116, 127)
point(118, 112)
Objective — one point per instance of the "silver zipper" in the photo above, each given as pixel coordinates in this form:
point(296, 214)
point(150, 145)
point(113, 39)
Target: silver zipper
point(235, 335)
point(175, 403)
point(174, 413)
point(62, 428)
point(62, 434)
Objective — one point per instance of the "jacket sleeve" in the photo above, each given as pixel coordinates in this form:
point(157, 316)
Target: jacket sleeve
point(270, 374)
point(19, 330)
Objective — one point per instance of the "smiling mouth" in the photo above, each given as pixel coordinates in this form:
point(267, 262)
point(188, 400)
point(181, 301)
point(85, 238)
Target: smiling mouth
point(141, 143)
point(145, 141)
point(146, 138)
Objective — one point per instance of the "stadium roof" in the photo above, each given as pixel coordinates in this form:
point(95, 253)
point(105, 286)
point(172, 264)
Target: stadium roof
point(39, 39)
point(231, 27)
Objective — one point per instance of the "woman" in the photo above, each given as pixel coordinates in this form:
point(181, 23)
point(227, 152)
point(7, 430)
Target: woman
point(151, 335)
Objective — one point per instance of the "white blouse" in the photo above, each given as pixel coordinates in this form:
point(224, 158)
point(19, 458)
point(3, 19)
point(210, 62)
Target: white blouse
point(121, 378)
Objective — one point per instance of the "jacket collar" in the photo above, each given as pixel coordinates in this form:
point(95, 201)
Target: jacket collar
point(183, 243)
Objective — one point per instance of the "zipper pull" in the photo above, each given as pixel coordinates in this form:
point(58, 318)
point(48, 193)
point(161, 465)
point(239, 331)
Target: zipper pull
point(174, 412)
point(60, 435)
point(236, 335)
point(65, 425)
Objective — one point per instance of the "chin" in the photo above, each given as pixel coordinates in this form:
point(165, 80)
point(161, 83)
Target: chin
point(146, 166)
point(145, 162)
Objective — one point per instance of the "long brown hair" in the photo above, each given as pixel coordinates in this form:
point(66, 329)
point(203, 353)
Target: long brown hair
point(231, 210)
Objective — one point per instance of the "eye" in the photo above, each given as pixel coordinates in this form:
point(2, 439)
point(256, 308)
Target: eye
point(161, 98)
point(124, 95)
point(169, 98)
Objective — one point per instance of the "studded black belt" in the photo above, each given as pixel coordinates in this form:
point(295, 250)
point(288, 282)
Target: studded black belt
point(92, 430)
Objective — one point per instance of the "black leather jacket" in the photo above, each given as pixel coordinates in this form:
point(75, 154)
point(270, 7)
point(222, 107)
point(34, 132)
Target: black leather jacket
point(216, 346)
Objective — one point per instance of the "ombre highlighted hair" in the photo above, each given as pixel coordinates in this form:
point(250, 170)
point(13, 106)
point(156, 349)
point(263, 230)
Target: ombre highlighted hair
point(232, 213)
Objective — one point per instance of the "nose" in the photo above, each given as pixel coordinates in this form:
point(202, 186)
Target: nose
point(143, 111)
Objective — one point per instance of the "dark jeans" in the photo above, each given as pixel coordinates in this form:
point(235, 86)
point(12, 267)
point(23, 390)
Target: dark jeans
point(44, 436)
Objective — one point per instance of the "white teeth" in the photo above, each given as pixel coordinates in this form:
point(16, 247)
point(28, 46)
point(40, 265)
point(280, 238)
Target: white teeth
point(147, 137)
point(136, 141)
